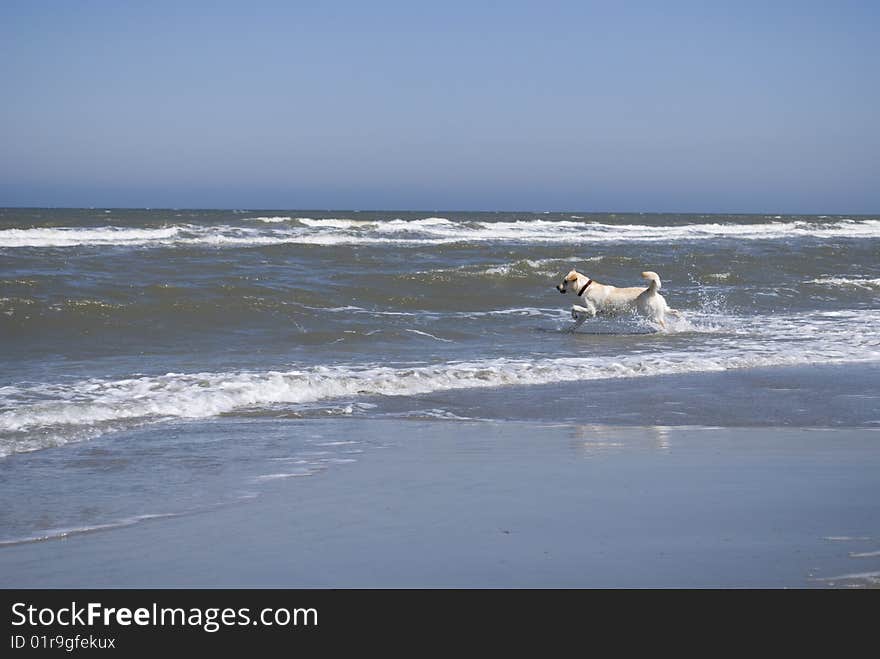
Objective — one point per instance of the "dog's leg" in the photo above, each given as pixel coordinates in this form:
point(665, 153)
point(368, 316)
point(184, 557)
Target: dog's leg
point(580, 314)
point(579, 319)
point(577, 310)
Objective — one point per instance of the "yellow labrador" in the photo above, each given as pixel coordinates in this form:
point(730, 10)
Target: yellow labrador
point(606, 300)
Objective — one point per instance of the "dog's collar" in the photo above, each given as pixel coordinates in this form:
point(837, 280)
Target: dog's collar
point(584, 287)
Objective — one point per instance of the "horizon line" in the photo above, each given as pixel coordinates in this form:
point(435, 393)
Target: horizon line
point(435, 210)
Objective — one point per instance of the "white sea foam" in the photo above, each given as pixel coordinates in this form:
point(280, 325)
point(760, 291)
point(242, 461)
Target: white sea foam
point(428, 225)
point(868, 578)
point(538, 266)
point(547, 267)
point(71, 237)
point(332, 223)
point(287, 474)
point(271, 220)
point(57, 533)
point(433, 221)
point(427, 231)
point(863, 283)
point(434, 413)
point(552, 312)
point(441, 230)
point(436, 338)
point(48, 412)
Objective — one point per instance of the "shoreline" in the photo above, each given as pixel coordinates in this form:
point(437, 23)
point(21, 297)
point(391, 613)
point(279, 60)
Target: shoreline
point(514, 504)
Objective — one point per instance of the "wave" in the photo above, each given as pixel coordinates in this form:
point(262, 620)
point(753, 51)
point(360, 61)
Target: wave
point(848, 282)
point(554, 312)
point(526, 268)
point(333, 223)
point(270, 220)
point(426, 231)
point(421, 333)
point(44, 415)
point(435, 229)
point(522, 268)
point(57, 533)
point(72, 236)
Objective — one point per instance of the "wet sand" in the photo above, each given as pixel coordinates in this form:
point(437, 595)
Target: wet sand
point(453, 504)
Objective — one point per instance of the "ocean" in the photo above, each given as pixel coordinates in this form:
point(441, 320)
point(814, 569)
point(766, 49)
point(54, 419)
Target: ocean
point(158, 363)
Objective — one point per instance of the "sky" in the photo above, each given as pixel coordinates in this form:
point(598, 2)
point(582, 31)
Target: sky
point(594, 106)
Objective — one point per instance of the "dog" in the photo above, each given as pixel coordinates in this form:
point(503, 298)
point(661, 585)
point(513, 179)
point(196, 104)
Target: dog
point(607, 300)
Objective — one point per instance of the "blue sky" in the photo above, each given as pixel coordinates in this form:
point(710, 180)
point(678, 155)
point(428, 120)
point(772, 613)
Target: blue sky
point(629, 106)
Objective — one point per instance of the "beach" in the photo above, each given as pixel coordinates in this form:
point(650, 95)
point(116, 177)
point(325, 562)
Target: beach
point(445, 504)
point(337, 399)
point(335, 296)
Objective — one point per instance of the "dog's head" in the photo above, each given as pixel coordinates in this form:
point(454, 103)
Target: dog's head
point(569, 279)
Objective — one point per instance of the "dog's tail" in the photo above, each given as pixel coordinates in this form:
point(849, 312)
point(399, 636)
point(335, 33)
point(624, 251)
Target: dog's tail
point(654, 280)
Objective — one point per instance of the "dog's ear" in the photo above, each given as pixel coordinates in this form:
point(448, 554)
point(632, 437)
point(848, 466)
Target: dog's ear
point(571, 276)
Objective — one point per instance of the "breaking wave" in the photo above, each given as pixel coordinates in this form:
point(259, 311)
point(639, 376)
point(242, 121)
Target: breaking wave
point(427, 231)
point(40, 416)
point(863, 283)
